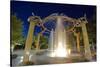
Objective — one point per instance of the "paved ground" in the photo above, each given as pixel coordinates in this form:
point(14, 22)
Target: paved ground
point(42, 58)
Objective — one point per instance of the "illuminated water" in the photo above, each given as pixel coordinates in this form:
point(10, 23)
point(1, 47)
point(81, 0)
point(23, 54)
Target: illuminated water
point(58, 40)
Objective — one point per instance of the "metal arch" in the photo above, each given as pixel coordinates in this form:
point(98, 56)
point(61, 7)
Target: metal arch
point(35, 19)
point(66, 18)
point(75, 22)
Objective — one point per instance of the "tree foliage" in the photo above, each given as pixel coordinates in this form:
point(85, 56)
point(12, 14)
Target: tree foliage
point(91, 28)
point(16, 29)
point(43, 42)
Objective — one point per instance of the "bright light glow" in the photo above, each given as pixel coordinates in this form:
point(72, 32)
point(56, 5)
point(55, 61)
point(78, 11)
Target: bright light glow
point(27, 52)
point(52, 54)
point(21, 59)
point(30, 57)
point(69, 51)
point(61, 50)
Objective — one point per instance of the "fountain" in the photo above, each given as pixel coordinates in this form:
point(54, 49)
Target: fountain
point(58, 40)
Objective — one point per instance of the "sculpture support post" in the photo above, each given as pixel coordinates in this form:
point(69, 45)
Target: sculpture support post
point(28, 42)
point(78, 41)
point(37, 42)
point(86, 42)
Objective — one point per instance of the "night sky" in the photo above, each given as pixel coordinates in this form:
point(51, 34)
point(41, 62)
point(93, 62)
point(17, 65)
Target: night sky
point(24, 9)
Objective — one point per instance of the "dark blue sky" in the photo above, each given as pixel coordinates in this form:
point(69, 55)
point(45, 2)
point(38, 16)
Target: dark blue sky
point(24, 9)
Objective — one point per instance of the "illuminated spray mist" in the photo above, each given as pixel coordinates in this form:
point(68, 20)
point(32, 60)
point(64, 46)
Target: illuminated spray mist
point(58, 40)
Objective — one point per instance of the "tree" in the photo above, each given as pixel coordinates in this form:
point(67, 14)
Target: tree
point(91, 27)
point(43, 42)
point(16, 30)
